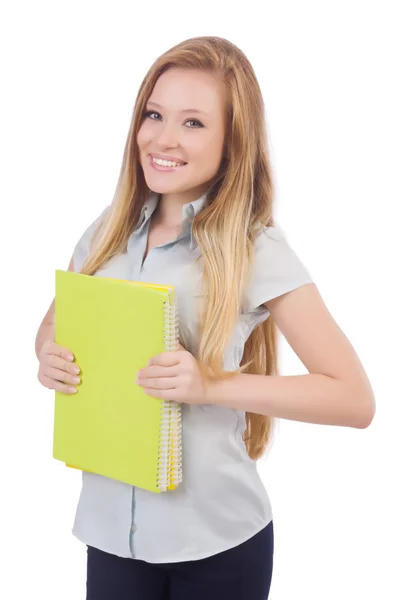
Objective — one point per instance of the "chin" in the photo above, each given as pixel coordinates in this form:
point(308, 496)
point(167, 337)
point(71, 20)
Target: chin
point(164, 188)
point(161, 189)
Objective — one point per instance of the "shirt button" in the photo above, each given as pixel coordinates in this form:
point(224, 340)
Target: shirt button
point(190, 211)
point(133, 528)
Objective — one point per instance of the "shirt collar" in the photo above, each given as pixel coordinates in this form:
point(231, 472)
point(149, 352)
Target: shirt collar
point(189, 211)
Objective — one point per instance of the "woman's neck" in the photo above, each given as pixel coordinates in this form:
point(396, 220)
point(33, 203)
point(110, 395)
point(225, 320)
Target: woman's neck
point(169, 208)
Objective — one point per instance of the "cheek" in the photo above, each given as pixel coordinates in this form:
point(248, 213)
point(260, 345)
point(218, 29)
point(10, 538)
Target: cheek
point(143, 137)
point(210, 153)
point(218, 143)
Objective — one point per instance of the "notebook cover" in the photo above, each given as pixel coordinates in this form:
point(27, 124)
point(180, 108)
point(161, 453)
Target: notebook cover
point(110, 426)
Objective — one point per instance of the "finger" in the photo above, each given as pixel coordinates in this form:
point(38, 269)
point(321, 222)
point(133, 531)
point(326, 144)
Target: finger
point(52, 347)
point(58, 362)
point(165, 359)
point(61, 376)
point(163, 394)
point(52, 384)
point(159, 383)
point(158, 371)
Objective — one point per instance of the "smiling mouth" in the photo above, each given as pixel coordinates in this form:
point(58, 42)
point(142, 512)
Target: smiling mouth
point(166, 163)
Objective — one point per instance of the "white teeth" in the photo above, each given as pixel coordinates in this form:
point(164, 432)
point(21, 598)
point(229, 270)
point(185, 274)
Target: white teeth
point(166, 163)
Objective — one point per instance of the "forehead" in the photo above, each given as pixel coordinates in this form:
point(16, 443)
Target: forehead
point(178, 89)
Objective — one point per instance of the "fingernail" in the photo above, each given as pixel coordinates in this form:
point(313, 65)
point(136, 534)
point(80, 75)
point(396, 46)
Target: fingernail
point(72, 390)
point(70, 357)
point(76, 370)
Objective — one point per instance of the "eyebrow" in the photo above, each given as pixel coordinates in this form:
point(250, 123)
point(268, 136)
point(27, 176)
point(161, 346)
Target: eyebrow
point(186, 110)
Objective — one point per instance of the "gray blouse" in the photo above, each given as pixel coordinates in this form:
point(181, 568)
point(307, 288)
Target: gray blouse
point(222, 501)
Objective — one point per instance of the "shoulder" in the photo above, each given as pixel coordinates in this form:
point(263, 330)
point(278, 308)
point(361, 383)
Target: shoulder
point(82, 247)
point(271, 238)
point(276, 267)
point(273, 251)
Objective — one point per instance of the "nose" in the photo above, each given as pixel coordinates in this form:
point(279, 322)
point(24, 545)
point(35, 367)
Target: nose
point(167, 137)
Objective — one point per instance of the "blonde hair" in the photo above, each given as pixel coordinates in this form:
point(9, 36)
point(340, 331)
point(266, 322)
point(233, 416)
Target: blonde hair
point(239, 204)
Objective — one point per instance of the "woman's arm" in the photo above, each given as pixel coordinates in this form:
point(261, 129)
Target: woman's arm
point(335, 392)
point(46, 330)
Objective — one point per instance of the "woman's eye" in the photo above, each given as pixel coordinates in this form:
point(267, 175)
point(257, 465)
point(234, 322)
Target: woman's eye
point(197, 122)
point(149, 113)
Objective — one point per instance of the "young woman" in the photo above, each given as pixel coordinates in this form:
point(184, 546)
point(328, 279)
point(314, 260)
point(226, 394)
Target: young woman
point(194, 208)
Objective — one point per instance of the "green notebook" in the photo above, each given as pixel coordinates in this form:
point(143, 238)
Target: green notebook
point(110, 426)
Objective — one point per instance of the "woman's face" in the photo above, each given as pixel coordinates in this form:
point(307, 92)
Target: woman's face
point(184, 121)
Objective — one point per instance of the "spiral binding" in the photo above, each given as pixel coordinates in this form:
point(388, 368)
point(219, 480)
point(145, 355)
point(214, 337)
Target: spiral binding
point(169, 470)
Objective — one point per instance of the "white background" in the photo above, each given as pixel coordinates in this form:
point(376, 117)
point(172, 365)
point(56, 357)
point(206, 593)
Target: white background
point(70, 73)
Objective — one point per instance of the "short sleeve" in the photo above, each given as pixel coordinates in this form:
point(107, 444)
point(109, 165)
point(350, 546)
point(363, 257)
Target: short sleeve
point(82, 247)
point(276, 269)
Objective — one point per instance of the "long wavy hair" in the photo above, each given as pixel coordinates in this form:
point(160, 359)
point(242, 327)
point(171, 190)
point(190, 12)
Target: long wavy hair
point(239, 204)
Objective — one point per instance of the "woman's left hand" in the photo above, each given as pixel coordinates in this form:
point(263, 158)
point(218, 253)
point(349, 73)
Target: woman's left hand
point(174, 375)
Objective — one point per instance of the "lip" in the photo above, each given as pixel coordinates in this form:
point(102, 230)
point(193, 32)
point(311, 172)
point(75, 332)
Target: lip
point(160, 167)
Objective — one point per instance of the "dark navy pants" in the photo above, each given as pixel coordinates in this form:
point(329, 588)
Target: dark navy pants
point(241, 573)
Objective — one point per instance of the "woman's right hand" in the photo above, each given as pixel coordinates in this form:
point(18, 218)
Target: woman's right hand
point(57, 369)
